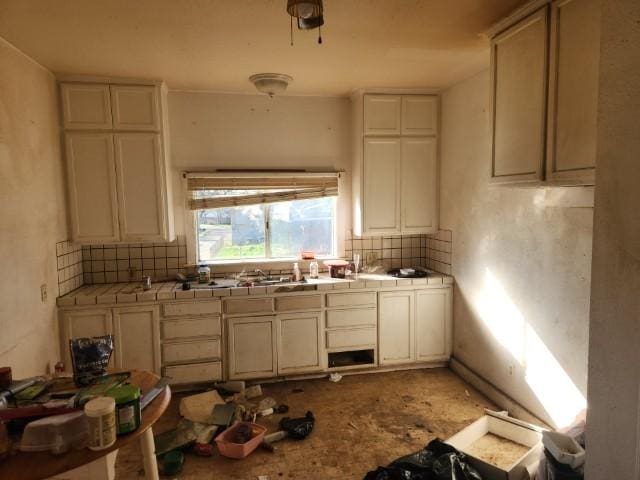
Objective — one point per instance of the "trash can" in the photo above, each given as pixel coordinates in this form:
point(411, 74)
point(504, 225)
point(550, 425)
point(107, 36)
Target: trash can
point(560, 471)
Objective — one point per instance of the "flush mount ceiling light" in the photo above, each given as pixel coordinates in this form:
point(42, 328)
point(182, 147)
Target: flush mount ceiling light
point(270, 83)
point(308, 13)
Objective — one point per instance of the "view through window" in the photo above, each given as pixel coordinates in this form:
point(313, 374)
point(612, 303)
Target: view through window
point(275, 230)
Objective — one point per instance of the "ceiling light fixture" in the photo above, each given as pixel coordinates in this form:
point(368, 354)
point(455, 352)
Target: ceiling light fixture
point(271, 83)
point(308, 13)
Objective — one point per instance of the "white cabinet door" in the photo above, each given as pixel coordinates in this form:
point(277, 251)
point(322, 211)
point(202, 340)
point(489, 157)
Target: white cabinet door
point(252, 347)
point(519, 79)
point(135, 107)
point(85, 323)
point(419, 115)
point(85, 106)
point(137, 332)
point(573, 91)
point(419, 185)
point(92, 187)
point(382, 114)
point(299, 343)
point(433, 324)
point(395, 327)
point(381, 186)
point(141, 187)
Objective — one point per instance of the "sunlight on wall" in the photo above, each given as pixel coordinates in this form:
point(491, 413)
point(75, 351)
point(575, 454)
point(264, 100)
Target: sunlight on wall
point(545, 376)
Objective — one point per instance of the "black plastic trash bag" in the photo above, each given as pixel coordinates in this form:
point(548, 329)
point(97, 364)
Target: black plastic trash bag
point(437, 461)
point(90, 358)
point(298, 428)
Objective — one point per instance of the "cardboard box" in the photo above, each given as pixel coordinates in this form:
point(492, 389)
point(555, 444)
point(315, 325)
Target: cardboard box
point(500, 424)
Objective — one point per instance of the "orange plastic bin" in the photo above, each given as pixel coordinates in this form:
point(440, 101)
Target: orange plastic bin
point(240, 450)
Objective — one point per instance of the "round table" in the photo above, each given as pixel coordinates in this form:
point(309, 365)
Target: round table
point(39, 465)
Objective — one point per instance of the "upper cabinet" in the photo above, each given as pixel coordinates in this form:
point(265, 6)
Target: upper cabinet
point(544, 86)
point(395, 164)
point(86, 106)
point(116, 152)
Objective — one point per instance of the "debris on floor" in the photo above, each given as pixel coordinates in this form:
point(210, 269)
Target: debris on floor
point(198, 408)
point(298, 428)
point(253, 392)
point(335, 377)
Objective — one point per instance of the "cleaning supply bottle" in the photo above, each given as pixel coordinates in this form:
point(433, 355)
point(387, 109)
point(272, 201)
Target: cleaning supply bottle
point(313, 269)
point(297, 275)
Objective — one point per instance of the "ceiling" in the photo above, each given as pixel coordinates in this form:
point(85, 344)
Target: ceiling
point(216, 45)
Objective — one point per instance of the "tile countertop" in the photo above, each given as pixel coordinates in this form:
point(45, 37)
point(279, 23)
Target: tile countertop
point(119, 293)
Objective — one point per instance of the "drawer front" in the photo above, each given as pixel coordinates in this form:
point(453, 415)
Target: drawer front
point(191, 327)
point(305, 302)
point(350, 299)
point(191, 308)
point(360, 337)
point(353, 317)
point(248, 305)
point(190, 351)
point(198, 372)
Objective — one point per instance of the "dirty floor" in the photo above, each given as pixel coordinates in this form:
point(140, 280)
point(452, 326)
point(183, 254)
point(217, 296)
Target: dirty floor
point(361, 422)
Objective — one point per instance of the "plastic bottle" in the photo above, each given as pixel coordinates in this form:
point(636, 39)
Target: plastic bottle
point(313, 269)
point(296, 272)
point(204, 273)
point(101, 415)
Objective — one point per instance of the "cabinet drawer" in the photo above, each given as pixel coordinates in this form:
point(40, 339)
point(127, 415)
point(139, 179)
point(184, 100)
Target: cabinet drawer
point(350, 299)
point(190, 351)
point(191, 327)
point(248, 305)
point(195, 308)
point(351, 338)
point(306, 302)
point(198, 372)
point(352, 318)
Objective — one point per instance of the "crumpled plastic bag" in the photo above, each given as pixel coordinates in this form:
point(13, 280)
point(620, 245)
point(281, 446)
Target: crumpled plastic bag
point(437, 461)
point(90, 358)
point(298, 428)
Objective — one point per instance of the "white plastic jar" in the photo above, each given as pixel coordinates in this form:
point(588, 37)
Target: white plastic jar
point(101, 415)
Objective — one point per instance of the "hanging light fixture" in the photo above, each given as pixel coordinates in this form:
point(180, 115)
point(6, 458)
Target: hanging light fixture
point(309, 14)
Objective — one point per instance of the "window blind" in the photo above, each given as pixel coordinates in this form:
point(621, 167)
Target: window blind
point(212, 190)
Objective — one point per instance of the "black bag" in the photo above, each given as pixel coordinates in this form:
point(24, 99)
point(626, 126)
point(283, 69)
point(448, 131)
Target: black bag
point(298, 428)
point(90, 358)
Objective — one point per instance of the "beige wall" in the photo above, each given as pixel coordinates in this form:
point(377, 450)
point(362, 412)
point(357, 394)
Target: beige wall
point(614, 353)
point(32, 213)
point(522, 268)
point(211, 131)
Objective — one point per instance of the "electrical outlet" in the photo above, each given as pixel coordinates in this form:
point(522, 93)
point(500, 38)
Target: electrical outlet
point(43, 293)
point(510, 370)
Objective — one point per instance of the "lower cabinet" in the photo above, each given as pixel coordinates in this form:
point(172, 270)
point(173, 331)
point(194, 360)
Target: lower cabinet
point(252, 347)
point(135, 330)
point(84, 323)
point(414, 326)
point(300, 343)
point(137, 337)
point(395, 327)
point(433, 324)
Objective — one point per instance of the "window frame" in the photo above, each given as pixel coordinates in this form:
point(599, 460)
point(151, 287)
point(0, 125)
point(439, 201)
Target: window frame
point(193, 244)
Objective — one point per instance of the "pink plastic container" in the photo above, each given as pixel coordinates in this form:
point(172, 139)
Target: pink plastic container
point(240, 450)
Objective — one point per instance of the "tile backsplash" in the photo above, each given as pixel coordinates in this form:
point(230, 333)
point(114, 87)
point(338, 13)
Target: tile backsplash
point(112, 263)
point(69, 266)
point(439, 251)
point(389, 251)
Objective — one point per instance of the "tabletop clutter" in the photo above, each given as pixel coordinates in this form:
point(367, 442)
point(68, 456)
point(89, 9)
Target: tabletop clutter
point(88, 408)
point(226, 418)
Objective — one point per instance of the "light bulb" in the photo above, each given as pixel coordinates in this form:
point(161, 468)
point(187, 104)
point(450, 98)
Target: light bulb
point(305, 10)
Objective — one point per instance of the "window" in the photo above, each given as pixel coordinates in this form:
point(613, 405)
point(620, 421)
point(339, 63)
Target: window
point(265, 231)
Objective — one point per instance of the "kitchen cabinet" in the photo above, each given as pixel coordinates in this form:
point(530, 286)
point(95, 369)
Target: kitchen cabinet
point(137, 337)
point(140, 174)
point(86, 106)
point(85, 323)
point(91, 174)
point(381, 198)
point(396, 327)
point(419, 115)
point(299, 343)
point(395, 168)
point(433, 328)
point(118, 176)
point(573, 92)
point(544, 85)
point(135, 107)
point(252, 347)
point(382, 114)
point(519, 93)
point(418, 185)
